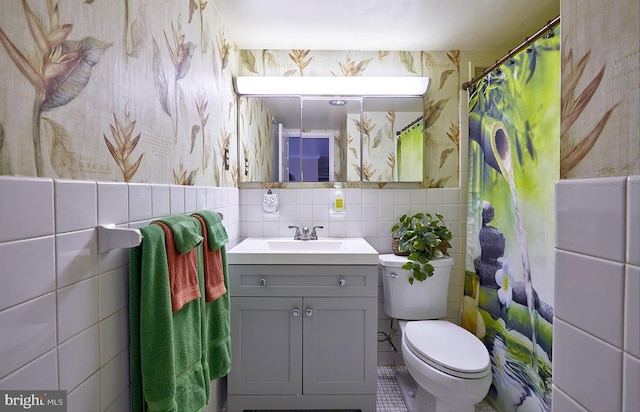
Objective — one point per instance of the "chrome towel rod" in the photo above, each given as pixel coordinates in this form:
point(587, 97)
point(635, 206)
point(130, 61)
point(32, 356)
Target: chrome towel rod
point(112, 237)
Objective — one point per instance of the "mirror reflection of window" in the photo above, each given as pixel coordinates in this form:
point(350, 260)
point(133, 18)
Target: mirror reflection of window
point(330, 116)
point(309, 157)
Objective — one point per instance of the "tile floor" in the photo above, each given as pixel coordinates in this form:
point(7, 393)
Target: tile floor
point(389, 398)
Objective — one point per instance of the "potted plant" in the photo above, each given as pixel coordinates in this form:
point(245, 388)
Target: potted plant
point(421, 237)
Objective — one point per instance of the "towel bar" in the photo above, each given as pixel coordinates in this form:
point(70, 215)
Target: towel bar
point(112, 237)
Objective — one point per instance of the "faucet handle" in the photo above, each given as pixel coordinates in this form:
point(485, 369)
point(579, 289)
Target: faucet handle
point(314, 235)
point(297, 235)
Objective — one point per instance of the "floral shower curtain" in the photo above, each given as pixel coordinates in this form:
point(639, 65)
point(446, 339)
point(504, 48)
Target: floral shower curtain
point(514, 149)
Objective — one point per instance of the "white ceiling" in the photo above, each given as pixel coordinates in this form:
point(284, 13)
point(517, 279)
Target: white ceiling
point(384, 24)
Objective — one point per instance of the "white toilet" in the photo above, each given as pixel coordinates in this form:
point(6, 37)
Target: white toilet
point(449, 367)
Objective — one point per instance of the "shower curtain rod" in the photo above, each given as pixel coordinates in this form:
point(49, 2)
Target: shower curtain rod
point(413, 123)
point(511, 53)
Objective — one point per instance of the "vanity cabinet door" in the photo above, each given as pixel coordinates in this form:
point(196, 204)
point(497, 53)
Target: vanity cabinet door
point(266, 339)
point(340, 344)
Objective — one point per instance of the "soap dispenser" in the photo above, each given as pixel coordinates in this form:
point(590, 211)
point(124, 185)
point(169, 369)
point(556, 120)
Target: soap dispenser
point(270, 202)
point(338, 199)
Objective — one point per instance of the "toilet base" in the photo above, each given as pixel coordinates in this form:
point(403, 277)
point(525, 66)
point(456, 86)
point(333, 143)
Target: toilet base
point(408, 388)
point(419, 400)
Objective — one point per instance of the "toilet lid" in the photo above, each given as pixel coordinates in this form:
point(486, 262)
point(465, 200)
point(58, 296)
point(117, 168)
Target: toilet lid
point(448, 348)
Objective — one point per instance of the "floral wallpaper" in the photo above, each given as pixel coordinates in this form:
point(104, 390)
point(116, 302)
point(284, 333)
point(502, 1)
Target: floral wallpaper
point(118, 90)
point(441, 112)
point(255, 120)
point(600, 89)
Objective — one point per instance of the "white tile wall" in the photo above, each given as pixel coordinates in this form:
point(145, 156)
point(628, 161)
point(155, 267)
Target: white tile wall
point(370, 213)
point(562, 403)
point(114, 288)
point(76, 256)
point(41, 373)
point(113, 203)
point(83, 398)
point(633, 217)
point(30, 277)
point(160, 200)
point(30, 331)
point(122, 403)
point(71, 321)
point(580, 279)
point(72, 199)
point(632, 311)
point(177, 199)
point(591, 216)
point(114, 378)
point(26, 208)
point(65, 304)
point(113, 337)
point(79, 358)
point(586, 368)
point(140, 202)
point(596, 332)
point(630, 392)
point(190, 198)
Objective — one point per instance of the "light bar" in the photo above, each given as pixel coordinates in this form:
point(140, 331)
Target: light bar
point(331, 86)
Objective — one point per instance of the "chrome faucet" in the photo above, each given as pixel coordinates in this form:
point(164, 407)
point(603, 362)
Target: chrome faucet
point(306, 234)
point(314, 235)
point(297, 235)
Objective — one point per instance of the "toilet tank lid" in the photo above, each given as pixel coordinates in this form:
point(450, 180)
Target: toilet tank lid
point(392, 260)
point(396, 261)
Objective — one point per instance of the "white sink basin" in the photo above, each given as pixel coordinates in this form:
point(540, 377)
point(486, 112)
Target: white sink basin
point(305, 245)
point(286, 251)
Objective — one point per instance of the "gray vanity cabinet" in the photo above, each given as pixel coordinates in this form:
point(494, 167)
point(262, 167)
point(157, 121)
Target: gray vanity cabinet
point(303, 337)
point(267, 346)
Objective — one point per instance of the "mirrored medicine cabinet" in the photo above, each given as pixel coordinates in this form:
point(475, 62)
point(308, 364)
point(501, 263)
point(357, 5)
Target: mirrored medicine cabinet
point(313, 138)
point(331, 129)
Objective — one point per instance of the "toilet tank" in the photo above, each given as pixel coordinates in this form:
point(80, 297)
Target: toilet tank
point(422, 300)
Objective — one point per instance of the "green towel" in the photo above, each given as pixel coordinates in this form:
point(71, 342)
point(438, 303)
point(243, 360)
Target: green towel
point(186, 231)
point(217, 312)
point(168, 364)
point(187, 234)
point(217, 234)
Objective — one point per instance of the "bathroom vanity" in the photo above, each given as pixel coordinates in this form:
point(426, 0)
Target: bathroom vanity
point(303, 335)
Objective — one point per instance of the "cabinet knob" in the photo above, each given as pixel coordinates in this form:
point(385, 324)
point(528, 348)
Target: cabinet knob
point(342, 283)
point(309, 312)
point(295, 312)
point(263, 282)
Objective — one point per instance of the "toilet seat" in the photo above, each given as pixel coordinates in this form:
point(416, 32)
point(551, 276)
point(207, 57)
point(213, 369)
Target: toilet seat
point(448, 348)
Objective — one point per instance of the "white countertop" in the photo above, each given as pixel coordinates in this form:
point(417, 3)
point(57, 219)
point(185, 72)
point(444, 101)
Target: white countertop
point(286, 251)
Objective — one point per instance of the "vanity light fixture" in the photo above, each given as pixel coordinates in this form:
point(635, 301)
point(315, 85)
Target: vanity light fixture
point(331, 86)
